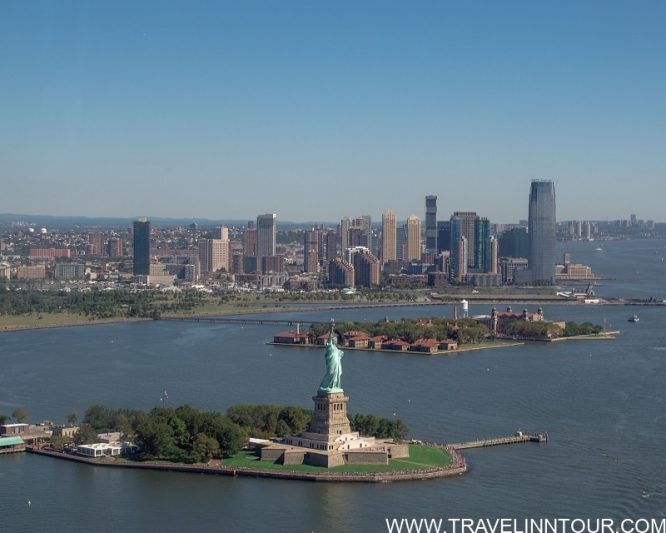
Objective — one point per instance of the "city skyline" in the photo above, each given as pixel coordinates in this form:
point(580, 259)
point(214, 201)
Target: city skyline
point(223, 110)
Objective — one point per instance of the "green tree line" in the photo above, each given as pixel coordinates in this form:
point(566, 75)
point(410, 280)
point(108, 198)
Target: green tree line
point(98, 304)
point(464, 330)
point(186, 434)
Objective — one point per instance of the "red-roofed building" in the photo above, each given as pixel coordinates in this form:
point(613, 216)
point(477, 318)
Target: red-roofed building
point(291, 337)
point(425, 345)
point(396, 344)
point(355, 339)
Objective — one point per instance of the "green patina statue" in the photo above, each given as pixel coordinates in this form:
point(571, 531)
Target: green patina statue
point(331, 383)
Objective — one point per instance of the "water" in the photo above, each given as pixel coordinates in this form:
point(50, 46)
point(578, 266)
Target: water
point(602, 403)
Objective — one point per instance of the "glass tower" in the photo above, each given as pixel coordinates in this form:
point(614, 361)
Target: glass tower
point(141, 238)
point(541, 231)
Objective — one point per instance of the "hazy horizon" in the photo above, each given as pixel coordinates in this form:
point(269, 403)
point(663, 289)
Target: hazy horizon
point(318, 111)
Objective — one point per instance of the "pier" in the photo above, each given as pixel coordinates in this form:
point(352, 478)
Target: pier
point(499, 441)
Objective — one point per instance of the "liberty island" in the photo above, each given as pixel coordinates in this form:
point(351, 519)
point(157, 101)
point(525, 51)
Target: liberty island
point(329, 440)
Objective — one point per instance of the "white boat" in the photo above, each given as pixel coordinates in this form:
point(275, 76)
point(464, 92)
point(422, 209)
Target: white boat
point(634, 318)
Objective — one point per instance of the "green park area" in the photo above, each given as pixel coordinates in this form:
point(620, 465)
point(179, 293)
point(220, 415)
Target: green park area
point(421, 457)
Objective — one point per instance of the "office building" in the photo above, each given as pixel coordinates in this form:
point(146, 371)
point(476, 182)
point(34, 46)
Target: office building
point(214, 255)
point(345, 224)
point(389, 235)
point(431, 223)
point(73, 271)
point(331, 245)
point(481, 236)
point(141, 243)
point(541, 230)
point(514, 243)
point(443, 235)
point(413, 231)
point(463, 224)
point(311, 251)
point(266, 232)
point(492, 266)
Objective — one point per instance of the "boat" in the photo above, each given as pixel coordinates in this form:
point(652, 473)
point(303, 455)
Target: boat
point(634, 318)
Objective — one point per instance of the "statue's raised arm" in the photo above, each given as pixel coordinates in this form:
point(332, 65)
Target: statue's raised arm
point(331, 382)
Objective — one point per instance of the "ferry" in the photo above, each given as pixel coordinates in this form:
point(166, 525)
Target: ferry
point(634, 318)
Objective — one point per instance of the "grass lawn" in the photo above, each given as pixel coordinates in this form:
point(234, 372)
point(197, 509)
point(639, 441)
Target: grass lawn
point(420, 457)
point(42, 320)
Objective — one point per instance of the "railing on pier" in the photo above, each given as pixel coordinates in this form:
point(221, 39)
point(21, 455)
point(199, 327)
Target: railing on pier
point(498, 441)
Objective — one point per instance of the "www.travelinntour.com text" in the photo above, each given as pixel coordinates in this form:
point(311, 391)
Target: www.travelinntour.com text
point(527, 525)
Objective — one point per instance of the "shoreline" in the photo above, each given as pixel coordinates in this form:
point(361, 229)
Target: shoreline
point(487, 346)
point(457, 467)
point(327, 305)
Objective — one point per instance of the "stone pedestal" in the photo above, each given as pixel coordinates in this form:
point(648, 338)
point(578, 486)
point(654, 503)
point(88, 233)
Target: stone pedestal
point(330, 415)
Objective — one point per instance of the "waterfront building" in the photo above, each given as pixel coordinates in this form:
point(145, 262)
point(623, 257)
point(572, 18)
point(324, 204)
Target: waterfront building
point(413, 232)
point(141, 247)
point(266, 233)
point(541, 230)
point(431, 223)
point(389, 235)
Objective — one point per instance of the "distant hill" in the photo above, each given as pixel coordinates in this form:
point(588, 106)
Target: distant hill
point(68, 222)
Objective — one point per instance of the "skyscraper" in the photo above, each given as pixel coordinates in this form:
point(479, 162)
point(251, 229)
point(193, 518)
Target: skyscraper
point(389, 250)
point(462, 224)
point(345, 224)
point(481, 234)
point(541, 231)
point(431, 223)
point(413, 238)
point(141, 238)
point(266, 231)
point(310, 251)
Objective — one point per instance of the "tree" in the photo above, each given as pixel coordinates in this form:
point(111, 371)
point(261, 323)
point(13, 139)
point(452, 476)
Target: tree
point(3, 419)
point(20, 415)
point(86, 435)
point(72, 418)
point(100, 417)
point(205, 448)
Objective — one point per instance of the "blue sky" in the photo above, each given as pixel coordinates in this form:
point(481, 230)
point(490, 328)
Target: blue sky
point(317, 110)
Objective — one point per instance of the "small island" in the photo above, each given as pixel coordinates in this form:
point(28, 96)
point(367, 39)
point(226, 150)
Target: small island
point(436, 335)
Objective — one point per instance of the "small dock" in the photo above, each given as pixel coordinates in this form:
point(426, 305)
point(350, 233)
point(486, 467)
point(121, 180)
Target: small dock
point(499, 441)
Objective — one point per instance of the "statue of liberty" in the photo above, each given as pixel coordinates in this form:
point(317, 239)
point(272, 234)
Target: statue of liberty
point(330, 383)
